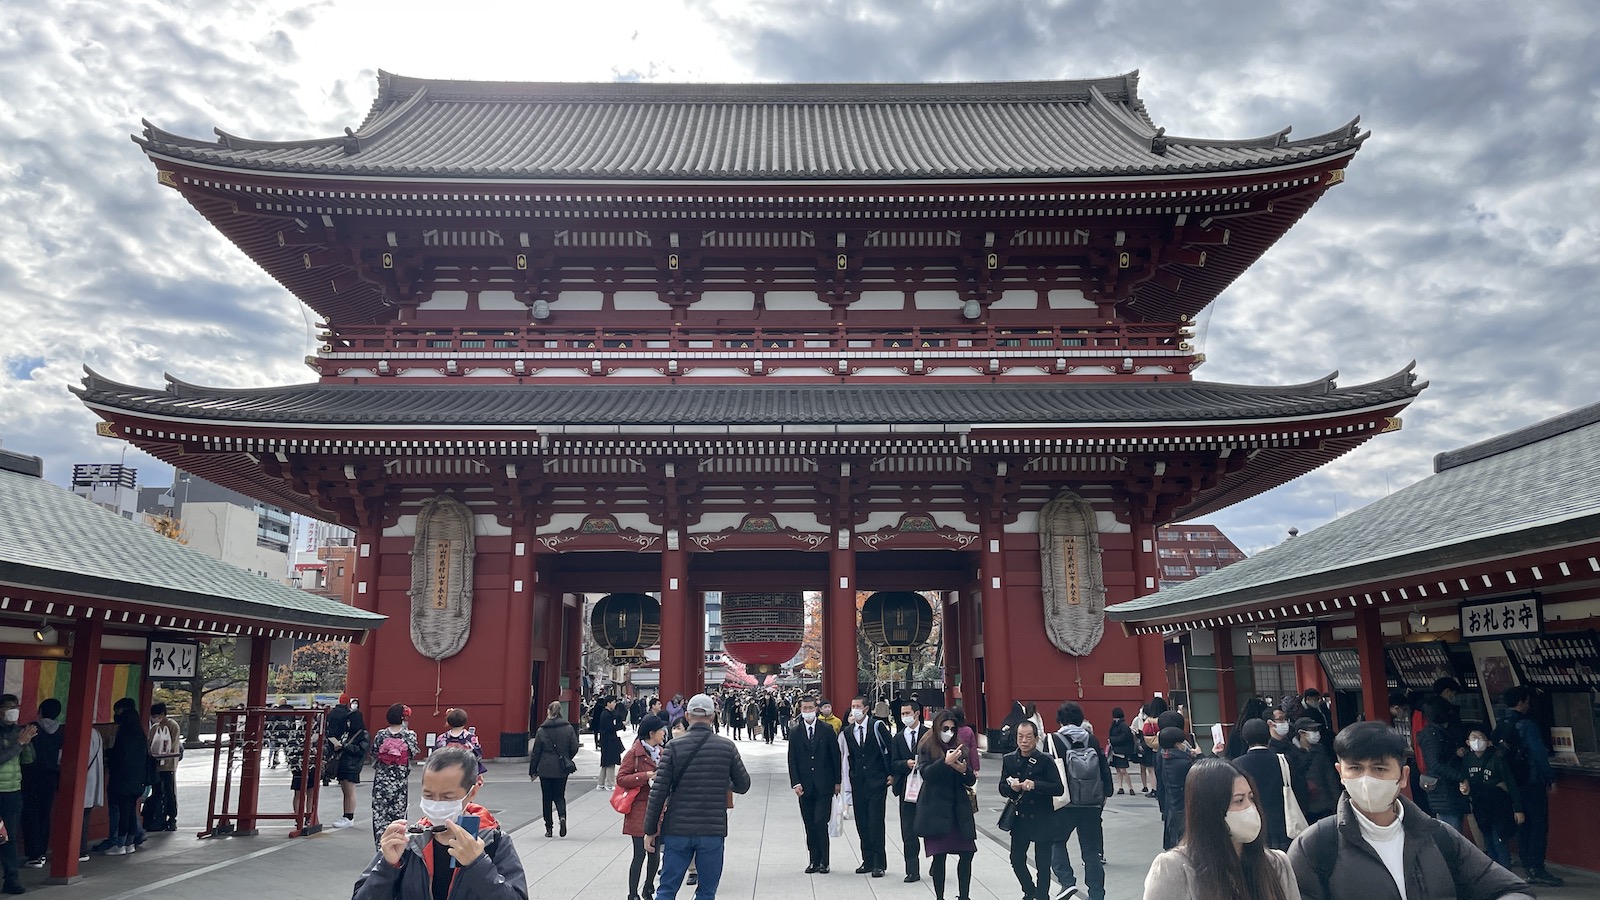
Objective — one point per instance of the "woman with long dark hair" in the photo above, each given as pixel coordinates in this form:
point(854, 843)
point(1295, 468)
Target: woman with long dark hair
point(945, 819)
point(126, 760)
point(554, 746)
point(1224, 853)
point(1125, 749)
point(637, 769)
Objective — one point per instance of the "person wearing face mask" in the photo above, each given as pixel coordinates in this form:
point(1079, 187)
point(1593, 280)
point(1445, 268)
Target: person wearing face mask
point(1315, 770)
point(825, 714)
point(864, 750)
point(1264, 768)
point(1281, 736)
point(1224, 853)
point(15, 751)
point(1496, 802)
point(945, 819)
point(348, 743)
point(453, 862)
point(815, 774)
point(166, 749)
point(638, 767)
point(1379, 843)
point(1311, 701)
point(902, 762)
point(1443, 761)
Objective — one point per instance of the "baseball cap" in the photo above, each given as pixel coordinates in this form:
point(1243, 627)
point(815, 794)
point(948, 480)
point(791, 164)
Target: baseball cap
point(701, 705)
point(1306, 723)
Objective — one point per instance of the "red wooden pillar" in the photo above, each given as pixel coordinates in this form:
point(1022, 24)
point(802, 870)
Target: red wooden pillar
point(1374, 679)
point(364, 577)
point(950, 630)
point(971, 632)
point(517, 690)
point(997, 691)
point(66, 820)
point(573, 638)
point(255, 698)
point(694, 641)
point(840, 666)
point(675, 626)
point(550, 687)
point(1146, 580)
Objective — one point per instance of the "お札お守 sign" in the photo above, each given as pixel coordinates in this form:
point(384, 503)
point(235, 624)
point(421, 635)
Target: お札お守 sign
point(1492, 620)
point(1297, 639)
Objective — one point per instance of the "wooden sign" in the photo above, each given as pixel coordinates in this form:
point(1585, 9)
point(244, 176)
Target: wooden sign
point(1494, 620)
point(441, 574)
point(1297, 639)
point(172, 660)
point(1122, 679)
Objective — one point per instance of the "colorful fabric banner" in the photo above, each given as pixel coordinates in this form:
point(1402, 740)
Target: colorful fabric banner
point(37, 680)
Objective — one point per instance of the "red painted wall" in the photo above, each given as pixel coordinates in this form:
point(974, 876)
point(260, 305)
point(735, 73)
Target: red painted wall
point(1572, 809)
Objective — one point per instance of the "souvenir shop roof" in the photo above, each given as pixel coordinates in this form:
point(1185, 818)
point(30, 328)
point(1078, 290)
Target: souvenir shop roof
point(1529, 490)
point(622, 131)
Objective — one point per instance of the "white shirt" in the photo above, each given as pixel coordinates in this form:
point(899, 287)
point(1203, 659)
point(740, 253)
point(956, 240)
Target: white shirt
point(1390, 843)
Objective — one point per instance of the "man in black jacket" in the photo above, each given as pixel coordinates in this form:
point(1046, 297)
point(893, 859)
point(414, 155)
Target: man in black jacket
point(814, 775)
point(866, 785)
point(1087, 820)
point(903, 759)
point(1266, 767)
point(697, 771)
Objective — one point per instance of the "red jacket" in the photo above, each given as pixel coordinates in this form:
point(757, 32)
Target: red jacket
point(635, 772)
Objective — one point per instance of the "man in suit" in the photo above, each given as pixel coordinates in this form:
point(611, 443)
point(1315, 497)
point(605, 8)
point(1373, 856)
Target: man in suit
point(865, 749)
point(814, 774)
point(1261, 764)
point(903, 759)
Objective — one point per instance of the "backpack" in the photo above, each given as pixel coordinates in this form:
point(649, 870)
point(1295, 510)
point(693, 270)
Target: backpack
point(392, 749)
point(1084, 787)
point(1513, 750)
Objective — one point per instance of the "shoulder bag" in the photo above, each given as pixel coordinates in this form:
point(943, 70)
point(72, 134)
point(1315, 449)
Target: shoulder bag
point(1294, 819)
point(1060, 761)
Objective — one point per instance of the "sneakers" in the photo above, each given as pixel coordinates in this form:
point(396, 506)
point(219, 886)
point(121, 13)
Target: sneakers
point(119, 850)
point(36, 863)
point(342, 822)
point(1070, 892)
point(1542, 877)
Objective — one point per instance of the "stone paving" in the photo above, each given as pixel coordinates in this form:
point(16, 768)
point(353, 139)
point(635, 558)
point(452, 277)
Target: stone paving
point(766, 854)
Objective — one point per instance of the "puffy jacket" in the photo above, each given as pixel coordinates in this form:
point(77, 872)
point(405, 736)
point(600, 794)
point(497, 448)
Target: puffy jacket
point(555, 740)
point(126, 762)
point(1441, 760)
point(497, 874)
point(13, 756)
point(1333, 861)
point(705, 767)
point(943, 806)
point(636, 771)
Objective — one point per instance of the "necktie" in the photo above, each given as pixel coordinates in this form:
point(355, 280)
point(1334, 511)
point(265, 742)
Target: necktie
point(861, 735)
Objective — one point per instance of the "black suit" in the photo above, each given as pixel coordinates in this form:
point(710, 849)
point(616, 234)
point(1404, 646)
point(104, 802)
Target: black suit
point(900, 756)
point(868, 759)
point(814, 768)
point(1261, 764)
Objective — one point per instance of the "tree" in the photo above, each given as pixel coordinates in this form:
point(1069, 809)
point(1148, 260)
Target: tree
point(315, 669)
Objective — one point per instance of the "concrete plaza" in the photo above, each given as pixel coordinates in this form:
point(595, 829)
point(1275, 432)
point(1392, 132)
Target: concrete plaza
point(766, 853)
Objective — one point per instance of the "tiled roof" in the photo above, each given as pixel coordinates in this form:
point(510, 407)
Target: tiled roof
point(55, 540)
point(1545, 477)
point(800, 404)
point(421, 128)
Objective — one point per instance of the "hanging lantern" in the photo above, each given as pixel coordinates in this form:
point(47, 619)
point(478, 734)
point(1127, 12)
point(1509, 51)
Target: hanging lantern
point(763, 631)
point(626, 624)
point(897, 621)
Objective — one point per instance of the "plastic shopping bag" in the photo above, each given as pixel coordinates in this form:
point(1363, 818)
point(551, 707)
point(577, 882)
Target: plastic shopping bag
point(836, 821)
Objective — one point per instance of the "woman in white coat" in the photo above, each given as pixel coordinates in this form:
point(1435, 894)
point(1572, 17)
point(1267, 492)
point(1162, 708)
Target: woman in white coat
point(94, 789)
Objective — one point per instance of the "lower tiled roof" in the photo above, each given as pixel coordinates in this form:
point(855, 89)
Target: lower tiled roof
point(511, 405)
point(1540, 487)
point(54, 540)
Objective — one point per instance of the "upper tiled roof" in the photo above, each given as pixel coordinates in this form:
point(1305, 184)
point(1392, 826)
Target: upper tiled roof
point(1544, 475)
point(56, 540)
point(529, 405)
point(421, 128)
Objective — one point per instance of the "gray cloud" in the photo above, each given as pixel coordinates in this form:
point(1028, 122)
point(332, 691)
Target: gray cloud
point(1463, 238)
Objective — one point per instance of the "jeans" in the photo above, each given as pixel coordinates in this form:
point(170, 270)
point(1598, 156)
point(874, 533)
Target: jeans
point(1454, 820)
point(1042, 855)
point(1088, 824)
point(677, 850)
point(1534, 836)
point(554, 791)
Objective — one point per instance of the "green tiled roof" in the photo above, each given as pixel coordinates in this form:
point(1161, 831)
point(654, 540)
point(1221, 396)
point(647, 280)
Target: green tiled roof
point(54, 540)
point(1527, 490)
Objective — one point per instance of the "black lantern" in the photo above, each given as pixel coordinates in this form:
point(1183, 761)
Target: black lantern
point(897, 621)
point(626, 624)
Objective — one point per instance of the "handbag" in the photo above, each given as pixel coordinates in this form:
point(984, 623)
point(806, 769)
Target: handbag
point(1294, 819)
point(913, 786)
point(1065, 800)
point(1428, 782)
point(569, 765)
point(622, 798)
point(1008, 816)
point(972, 795)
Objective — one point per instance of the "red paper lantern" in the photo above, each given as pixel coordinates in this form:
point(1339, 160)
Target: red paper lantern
point(764, 630)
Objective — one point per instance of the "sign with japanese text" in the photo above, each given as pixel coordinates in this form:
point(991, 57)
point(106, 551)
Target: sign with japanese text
point(1493, 620)
point(172, 660)
point(1297, 639)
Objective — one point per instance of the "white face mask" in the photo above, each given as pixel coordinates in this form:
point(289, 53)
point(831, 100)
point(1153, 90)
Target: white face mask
point(1372, 795)
point(1478, 746)
point(354, 706)
point(1280, 728)
point(857, 715)
point(809, 717)
point(1313, 737)
point(12, 715)
point(947, 735)
point(910, 721)
point(442, 811)
point(1244, 824)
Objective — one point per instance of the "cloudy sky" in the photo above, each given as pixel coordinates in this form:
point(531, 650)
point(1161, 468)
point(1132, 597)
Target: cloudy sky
point(1465, 236)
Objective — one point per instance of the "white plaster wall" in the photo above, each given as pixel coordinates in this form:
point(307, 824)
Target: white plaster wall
point(792, 300)
point(1017, 300)
point(577, 300)
point(880, 300)
point(733, 300)
point(638, 300)
point(938, 299)
point(1069, 299)
point(499, 300)
point(445, 300)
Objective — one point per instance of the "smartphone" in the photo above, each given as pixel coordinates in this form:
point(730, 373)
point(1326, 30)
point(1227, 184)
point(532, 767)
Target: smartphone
point(470, 825)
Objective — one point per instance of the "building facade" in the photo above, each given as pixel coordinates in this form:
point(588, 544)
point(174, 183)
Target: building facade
point(584, 338)
point(1190, 550)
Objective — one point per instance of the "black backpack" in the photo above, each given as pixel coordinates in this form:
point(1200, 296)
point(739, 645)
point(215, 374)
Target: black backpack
point(1513, 750)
